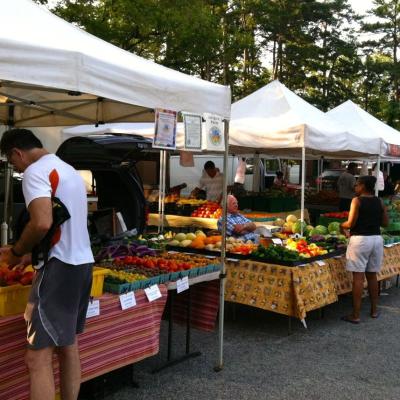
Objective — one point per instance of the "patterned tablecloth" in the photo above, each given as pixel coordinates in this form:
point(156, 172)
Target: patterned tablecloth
point(294, 291)
point(111, 340)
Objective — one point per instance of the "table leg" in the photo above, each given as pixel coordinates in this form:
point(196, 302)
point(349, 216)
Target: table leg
point(289, 325)
point(397, 280)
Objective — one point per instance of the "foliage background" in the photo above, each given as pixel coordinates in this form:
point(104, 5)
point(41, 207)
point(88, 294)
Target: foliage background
point(321, 49)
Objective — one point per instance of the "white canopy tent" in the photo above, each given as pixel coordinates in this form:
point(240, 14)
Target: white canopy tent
point(275, 120)
point(364, 124)
point(55, 74)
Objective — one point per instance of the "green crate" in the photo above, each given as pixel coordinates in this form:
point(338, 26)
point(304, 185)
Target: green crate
point(246, 203)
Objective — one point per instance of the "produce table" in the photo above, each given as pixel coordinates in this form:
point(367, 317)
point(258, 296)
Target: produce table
point(294, 291)
point(111, 340)
point(177, 221)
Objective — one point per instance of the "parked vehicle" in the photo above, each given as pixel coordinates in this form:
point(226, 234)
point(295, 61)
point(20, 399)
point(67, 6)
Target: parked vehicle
point(110, 164)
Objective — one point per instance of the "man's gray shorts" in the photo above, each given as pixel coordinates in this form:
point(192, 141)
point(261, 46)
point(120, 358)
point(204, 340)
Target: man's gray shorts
point(57, 305)
point(364, 254)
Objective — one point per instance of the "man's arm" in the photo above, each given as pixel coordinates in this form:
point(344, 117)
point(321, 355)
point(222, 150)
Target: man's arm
point(41, 218)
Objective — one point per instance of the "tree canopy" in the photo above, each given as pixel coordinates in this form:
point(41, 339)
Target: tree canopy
point(320, 49)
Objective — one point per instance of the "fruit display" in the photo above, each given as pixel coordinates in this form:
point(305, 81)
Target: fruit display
point(208, 210)
point(120, 277)
point(338, 215)
point(14, 276)
point(276, 253)
point(304, 249)
point(323, 197)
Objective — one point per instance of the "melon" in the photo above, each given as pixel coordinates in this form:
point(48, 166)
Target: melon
point(190, 236)
point(291, 218)
point(287, 227)
point(174, 243)
point(334, 227)
point(186, 243)
point(180, 237)
point(322, 230)
point(298, 225)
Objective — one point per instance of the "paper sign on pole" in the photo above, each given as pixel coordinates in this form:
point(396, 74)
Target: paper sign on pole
point(213, 134)
point(165, 129)
point(193, 128)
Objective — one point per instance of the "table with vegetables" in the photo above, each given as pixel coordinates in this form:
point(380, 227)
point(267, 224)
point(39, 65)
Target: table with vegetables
point(290, 273)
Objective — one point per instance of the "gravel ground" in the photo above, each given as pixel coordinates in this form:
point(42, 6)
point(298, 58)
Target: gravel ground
point(330, 360)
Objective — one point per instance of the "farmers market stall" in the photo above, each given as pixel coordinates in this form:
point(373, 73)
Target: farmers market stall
point(295, 291)
point(111, 340)
point(54, 74)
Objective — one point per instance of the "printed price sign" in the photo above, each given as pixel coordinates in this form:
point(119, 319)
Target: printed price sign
point(182, 284)
point(127, 300)
point(320, 263)
point(93, 309)
point(277, 241)
point(153, 293)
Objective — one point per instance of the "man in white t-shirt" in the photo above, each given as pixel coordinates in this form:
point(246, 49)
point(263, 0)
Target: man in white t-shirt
point(212, 181)
point(56, 310)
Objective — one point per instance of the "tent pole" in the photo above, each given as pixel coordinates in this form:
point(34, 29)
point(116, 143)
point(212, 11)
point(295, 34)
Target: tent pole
point(318, 174)
point(377, 170)
point(256, 173)
point(160, 186)
point(164, 166)
point(303, 184)
point(220, 362)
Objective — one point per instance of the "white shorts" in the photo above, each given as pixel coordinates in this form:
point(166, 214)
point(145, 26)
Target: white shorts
point(364, 253)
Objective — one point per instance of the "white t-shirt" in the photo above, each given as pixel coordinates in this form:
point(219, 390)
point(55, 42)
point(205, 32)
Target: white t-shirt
point(50, 175)
point(380, 181)
point(212, 186)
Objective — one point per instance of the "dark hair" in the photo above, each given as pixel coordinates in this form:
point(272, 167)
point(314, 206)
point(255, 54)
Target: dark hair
point(352, 165)
point(22, 139)
point(209, 165)
point(368, 181)
point(279, 174)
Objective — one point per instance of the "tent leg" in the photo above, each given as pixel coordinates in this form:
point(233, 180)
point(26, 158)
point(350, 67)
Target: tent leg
point(160, 186)
point(220, 361)
point(303, 184)
point(377, 169)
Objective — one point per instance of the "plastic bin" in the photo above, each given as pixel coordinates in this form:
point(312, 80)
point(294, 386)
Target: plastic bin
point(117, 288)
point(98, 281)
point(13, 299)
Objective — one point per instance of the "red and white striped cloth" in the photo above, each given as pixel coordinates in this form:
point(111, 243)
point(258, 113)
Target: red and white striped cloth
point(112, 340)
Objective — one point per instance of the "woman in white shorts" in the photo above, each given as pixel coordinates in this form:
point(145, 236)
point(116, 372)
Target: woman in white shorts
point(365, 250)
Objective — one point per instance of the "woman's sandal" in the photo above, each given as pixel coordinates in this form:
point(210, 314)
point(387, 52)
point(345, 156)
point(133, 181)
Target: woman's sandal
point(375, 316)
point(347, 318)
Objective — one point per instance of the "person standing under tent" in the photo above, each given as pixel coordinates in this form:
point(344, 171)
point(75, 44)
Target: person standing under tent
point(58, 301)
point(211, 181)
point(365, 250)
point(380, 180)
point(345, 186)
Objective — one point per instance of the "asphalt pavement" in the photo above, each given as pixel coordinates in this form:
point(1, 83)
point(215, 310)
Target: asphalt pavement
point(331, 360)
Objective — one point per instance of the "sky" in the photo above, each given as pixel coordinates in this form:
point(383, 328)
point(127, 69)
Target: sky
point(361, 6)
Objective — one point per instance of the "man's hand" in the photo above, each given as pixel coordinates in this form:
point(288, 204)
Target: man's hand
point(239, 228)
point(7, 257)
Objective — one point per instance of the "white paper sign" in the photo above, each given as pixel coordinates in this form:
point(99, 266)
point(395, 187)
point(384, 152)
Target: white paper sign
point(193, 124)
point(153, 293)
point(93, 309)
point(127, 300)
point(182, 284)
point(320, 263)
point(165, 129)
point(277, 241)
point(213, 134)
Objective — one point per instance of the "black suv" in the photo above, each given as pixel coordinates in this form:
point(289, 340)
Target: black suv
point(112, 161)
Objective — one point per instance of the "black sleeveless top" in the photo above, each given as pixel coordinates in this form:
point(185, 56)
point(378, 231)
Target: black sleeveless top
point(369, 217)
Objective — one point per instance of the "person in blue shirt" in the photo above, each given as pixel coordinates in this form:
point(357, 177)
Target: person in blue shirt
point(237, 225)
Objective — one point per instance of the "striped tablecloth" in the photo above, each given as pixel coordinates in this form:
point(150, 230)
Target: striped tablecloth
point(112, 340)
point(205, 305)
